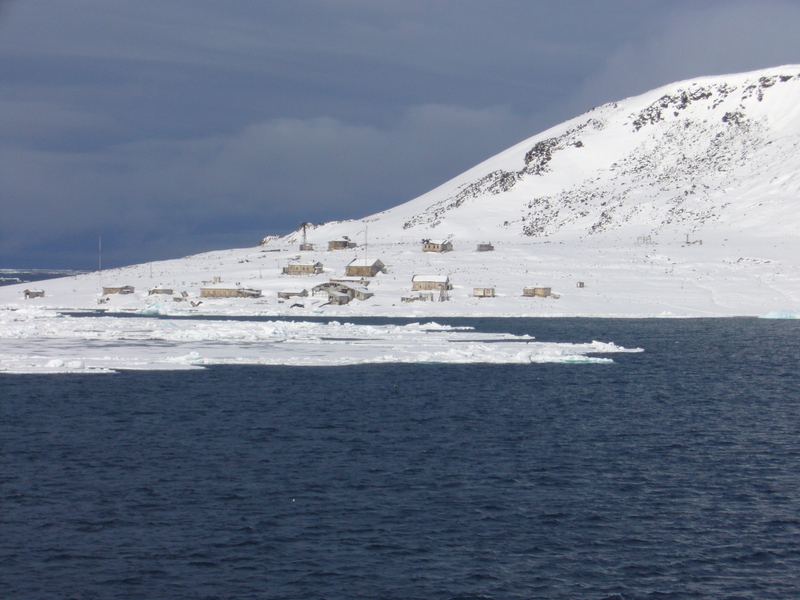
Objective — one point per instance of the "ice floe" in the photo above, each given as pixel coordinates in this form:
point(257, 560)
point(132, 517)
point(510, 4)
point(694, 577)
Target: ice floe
point(44, 342)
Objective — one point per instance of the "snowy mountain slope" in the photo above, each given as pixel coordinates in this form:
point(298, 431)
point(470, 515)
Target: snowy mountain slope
point(678, 158)
point(680, 202)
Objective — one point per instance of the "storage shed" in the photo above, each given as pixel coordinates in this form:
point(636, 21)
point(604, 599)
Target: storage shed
point(118, 289)
point(430, 282)
point(483, 292)
point(485, 247)
point(33, 294)
point(303, 269)
point(160, 290)
point(539, 292)
point(361, 267)
point(342, 244)
point(338, 298)
point(351, 289)
point(437, 246)
point(286, 294)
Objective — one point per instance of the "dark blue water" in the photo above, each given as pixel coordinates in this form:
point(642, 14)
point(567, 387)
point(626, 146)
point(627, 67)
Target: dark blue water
point(14, 276)
point(674, 473)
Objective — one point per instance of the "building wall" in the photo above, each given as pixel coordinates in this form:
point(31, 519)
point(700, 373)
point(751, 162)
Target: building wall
point(340, 245)
point(219, 293)
point(429, 247)
point(301, 270)
point(539, 292)
point(429, 285)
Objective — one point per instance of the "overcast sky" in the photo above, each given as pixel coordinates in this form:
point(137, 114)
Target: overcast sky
point(172, 127)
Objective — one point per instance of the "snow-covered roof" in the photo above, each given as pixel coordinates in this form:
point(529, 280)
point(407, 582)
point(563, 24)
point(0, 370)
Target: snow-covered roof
point(363, 262)
point(431, 278)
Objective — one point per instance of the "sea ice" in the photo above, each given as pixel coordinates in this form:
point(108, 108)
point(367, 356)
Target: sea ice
point(781, 314)
point(39, 342)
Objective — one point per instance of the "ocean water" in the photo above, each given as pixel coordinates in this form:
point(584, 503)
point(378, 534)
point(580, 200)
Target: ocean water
point(672, 473)
point(14, 276)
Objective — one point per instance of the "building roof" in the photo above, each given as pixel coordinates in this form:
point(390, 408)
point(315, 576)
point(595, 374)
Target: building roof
point(221, 286)
point(363, 262)
point(431, 278)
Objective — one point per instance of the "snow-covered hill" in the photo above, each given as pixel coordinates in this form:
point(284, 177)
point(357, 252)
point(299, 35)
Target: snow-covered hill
point(683, 201)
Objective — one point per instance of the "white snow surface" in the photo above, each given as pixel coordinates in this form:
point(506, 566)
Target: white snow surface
point(681, 202)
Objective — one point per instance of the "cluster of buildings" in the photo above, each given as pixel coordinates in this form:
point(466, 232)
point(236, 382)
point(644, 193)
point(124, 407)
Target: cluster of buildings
point(354, 285)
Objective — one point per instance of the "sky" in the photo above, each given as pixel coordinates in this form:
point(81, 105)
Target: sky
point(172, 127)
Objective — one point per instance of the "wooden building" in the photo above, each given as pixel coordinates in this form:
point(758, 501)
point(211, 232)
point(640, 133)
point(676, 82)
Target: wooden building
point(116, 289)
point(430, 282)
point(353, 290)
point(361, 267)
point(286, 294)
point(437, 246)
point(485, 247)
point(338, 298)
point(160, 290)
point(306, 247)
point(303, 269)
point(483, 292)
point(348, 280)
point(538, 292)
point(342, 244)
point(229, 292)
point(33, 294)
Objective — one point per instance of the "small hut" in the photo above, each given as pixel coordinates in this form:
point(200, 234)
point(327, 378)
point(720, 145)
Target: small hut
point(118, 289)
point(286, 294)
point(342, 244)
point(538, 292)
point(437, 246)
point(430, 282)
point(483, 292)
point(351, 289)
point(362, 267)
point(303, 269)
point(338, 298)
point(160, 290)
point(485, 247)
point(33, 294)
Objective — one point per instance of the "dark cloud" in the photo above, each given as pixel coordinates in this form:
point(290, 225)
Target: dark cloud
point(182, 126)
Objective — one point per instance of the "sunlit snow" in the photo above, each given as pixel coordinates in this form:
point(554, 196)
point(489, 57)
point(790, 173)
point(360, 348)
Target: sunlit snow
point(43, 341)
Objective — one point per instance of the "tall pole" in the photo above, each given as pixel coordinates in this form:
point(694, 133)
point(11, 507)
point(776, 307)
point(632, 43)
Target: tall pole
point(100, 258)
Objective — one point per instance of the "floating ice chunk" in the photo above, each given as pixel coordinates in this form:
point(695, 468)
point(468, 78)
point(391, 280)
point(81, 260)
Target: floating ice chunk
point(55, 363)
point(781, 314)
point(152, 310)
